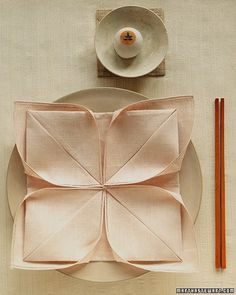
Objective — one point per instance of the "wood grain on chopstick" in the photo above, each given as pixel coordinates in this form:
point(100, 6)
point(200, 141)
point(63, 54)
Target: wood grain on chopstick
point(222, 185)
point(217, 187)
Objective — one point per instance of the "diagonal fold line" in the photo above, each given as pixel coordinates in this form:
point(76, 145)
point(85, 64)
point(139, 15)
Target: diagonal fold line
point(62, 227)
point(148, 228)
point(146, 141)
point(62, 147)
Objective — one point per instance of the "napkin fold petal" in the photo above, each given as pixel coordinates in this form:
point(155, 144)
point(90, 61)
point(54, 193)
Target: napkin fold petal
point(147, 155)
point(55, 225)
point(54, 122)
point(184, 106)
point(150, 234)
point(61, 162)
point(127, 215)
point(76, 133)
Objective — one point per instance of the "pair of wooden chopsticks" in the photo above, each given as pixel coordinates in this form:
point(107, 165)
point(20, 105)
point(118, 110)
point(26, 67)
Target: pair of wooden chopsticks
point(220, 242)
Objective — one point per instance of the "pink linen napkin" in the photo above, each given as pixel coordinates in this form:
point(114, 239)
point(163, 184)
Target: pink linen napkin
point(104, 186)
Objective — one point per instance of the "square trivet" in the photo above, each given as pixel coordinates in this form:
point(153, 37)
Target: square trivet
point(103, 72)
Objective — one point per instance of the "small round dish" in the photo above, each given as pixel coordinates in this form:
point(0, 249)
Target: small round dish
point(155, 41)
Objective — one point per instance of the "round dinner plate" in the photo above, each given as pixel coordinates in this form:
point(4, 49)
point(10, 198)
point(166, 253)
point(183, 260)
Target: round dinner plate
point(155, 41)
point(106, 99)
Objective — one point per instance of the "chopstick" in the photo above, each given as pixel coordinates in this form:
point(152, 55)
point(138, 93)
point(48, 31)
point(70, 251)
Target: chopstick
point(220, 241)
point(217, 186)
point(222, 183)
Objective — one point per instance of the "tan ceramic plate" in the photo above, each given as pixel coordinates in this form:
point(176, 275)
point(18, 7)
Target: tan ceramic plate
point(102, 100)
point(155, 41)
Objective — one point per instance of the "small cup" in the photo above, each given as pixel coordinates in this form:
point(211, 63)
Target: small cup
point(128, 42)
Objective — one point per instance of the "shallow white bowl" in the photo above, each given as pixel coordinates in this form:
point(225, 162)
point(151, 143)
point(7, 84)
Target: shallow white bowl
point(155, 41)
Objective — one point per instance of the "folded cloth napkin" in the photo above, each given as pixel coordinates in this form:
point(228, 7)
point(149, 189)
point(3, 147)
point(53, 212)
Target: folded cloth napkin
point(104, 186)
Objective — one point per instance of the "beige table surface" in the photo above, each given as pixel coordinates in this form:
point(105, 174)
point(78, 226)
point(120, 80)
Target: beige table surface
point(46, 51)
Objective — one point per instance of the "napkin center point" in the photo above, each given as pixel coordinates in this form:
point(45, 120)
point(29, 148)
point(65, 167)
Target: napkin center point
point(104, 187)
